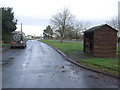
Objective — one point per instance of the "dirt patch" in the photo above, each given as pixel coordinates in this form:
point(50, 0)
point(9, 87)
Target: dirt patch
point(39, 75)
point(59, 66)
point(11, 58)
point(94, 77)
point(64, 71)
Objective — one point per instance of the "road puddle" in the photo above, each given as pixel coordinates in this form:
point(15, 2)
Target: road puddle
point(17, 54)
point(60, 66)
point(25, 66)
point(94, 77)
point(9, 61)
point(11, 58)
point(39, 75)
point(64, 70)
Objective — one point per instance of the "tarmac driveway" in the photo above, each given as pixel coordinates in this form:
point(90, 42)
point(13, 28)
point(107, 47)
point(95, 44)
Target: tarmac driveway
point(40, 66)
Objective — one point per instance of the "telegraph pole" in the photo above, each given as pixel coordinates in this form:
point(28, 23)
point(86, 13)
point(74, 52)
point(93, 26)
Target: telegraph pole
point(21, 27)
point(119, 14)
point(118, 21)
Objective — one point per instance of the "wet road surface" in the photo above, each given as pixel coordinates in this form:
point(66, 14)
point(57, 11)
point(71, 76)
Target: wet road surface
point(40, 66)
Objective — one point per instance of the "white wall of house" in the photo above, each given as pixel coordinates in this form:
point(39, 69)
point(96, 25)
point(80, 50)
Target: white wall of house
point(29, 37)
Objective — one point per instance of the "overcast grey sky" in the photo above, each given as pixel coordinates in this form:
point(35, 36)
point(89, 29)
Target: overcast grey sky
point(35, 14)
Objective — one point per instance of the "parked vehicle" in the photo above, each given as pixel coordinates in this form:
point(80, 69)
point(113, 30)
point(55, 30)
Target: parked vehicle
point(18, 39)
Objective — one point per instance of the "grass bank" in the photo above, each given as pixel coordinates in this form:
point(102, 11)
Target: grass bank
point(66, 47)
point(102, 64)
point(118, 49)
point(75, 52)
point(4, 45)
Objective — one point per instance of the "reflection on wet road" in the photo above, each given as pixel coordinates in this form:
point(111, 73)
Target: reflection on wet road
point(40, 66)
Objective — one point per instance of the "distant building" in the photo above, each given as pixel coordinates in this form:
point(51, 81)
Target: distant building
point(29, 37)
point(100, 41)
point(36, 37)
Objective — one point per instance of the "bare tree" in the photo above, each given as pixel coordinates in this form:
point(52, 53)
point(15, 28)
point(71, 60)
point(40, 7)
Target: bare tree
point(79, 28)
point(115, 23)
point(62, 21)
point(69, 32)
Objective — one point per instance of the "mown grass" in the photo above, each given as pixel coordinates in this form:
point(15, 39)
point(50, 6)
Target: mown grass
point(109, 65)
point(4, 45)
point(118, 48)
point(66, 47)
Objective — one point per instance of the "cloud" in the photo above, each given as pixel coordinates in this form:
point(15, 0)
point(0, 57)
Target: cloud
point(32, 20)
point(36, 13)
point(31, 30)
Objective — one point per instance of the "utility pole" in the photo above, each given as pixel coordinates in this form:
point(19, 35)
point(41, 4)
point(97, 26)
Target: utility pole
point(119, 22)
point(119, 14)
point(21, 27)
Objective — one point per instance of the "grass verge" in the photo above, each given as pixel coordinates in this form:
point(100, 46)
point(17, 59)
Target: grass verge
point(66, 47)
point(73, 50)
point(106, 65)
point(118, 49)
point(4, 45)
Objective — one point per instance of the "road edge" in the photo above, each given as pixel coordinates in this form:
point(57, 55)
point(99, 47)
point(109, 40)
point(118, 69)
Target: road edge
point(80, 65)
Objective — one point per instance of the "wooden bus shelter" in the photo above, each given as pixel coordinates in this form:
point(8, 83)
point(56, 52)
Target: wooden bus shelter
point(100, 41)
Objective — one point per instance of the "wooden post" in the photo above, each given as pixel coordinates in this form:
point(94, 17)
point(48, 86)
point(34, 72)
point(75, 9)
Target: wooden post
point(21, 27)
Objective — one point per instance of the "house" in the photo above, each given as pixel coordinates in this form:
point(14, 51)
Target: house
point(100, 41)
point(36, 37)
point(29, 37)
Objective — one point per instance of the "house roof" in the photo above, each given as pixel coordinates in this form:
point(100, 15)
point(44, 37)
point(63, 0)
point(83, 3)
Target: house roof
point(97, 27)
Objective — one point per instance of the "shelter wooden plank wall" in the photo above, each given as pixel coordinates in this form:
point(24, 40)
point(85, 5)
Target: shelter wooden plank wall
point(103, 41)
